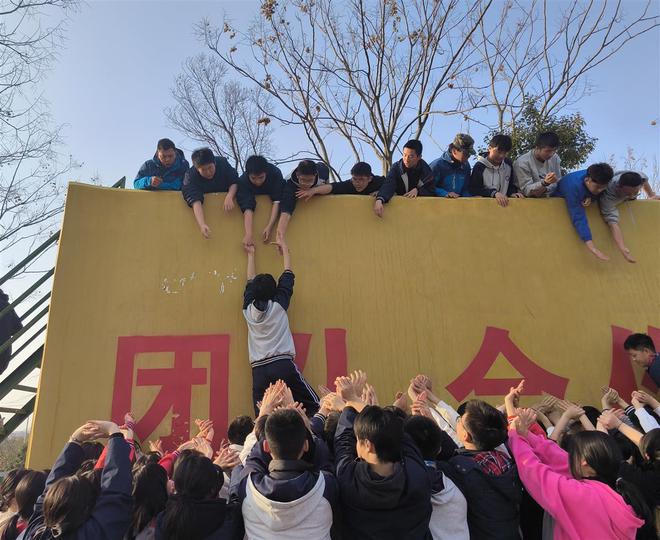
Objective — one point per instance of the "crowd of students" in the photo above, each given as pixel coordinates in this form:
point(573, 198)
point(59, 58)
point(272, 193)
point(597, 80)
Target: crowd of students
point(537, 173)
point(359, 468)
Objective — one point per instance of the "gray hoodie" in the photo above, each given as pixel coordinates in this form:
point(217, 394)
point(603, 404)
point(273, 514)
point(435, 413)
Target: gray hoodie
point(530, 172)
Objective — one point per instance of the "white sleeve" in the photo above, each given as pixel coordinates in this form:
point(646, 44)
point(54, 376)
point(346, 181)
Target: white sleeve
point(646, 420)
point(250, 441)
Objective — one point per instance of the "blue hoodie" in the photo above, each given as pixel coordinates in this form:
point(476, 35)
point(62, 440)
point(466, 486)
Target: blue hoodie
point(172, 176)
point(572, 188)
point(112, 512)
point(451, 176)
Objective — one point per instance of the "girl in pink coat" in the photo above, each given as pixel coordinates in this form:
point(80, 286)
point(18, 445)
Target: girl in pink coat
point(581, 489)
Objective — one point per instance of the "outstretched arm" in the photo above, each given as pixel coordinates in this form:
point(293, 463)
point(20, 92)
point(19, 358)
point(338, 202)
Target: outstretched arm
point(251, 267)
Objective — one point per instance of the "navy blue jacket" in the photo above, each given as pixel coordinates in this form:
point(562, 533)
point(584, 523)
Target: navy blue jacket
point(493, 501)
point(112, 513)
point(287, 480)
point(172, 176)
point(195, 185)
point(420, 177)
point(272, 186)
point(291, 187)
point(347, 188)
point(654, 370)
point(377, 508)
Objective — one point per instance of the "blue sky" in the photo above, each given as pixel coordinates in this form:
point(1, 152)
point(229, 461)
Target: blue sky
point(112, 81)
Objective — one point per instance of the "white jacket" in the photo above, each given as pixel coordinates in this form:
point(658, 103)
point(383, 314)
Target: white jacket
point(269, 336)
point(307, 518)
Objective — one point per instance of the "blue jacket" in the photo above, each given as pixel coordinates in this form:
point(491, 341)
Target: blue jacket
point(450, 175)
point(172, 176)
point(377, 508)
point(113, 509)
point(572, 188)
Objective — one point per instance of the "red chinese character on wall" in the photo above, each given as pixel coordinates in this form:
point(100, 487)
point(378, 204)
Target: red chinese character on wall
point(497, 341)
point(622, 375)
point(176, 383)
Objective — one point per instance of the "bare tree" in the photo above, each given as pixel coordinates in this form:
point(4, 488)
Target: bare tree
point(368, 74)
point(29, 161)
point(222, 114)
point(544, 51)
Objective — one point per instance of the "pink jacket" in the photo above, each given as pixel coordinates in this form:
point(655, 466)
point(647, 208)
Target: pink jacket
point(581, 508)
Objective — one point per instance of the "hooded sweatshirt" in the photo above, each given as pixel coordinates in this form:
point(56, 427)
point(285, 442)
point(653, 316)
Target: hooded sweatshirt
point(400, 180)
point(574, 191)
point(451, 176)
point(395, 507)
point(269, 335)
point(172, 176)
point(581, 508)
point(488, 179)
point(10, 324)
point(529, 172)
point(490, 483)
point(290, 499)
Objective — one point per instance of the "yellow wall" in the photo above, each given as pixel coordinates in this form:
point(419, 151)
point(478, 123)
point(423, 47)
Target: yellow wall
point(415, 292)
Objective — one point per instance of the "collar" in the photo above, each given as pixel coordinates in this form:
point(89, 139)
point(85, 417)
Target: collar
point(289, 465)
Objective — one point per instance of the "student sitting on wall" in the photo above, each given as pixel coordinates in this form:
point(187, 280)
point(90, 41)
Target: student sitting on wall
point(624, 186)
point(538, 171)
point(259, 178)
point(209, 174)
point(492, 175)
point(579, 188)
point(164, 171)
point(362, 182)
point(410, 176)
point(305, 176)
point(451, 172)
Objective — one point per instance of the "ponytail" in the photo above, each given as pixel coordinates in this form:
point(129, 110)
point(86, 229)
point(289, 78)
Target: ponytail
point(179, 518)
point(633, 497)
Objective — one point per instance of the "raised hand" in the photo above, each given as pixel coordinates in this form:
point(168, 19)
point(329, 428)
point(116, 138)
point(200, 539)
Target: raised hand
point(522, 422)
point(227, 459)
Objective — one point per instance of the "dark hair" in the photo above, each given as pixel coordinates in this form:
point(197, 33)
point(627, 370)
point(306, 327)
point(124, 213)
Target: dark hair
point(144, 459)
point(165, 144)
point(601, 173)
point(547, 139)
point(306, 166)
point(28, 490)
point(426, 434)
point(361, 169)
point(329, 428)
point(202, 156)
point(638, 342)
point(650, 448)
point(501, 142)
point(240, 427)
point(264, 287)
point(631, 179)
point(415, 145)
point(286, 434)
point(195, 479)
point(149, 495)
point(8, 487)
point(592, 413)
point(92, 450)
point(256, 165)
point(383, 429)
point(486, 425)
point(602, 454)
point(86, 466)
point(628, 449)
point(68, 503)
point(260, 426)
